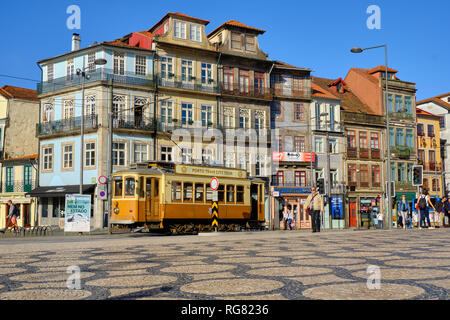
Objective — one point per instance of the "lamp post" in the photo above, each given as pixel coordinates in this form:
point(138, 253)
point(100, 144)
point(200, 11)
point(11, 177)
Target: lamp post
point(82, 73)
point(386, 99)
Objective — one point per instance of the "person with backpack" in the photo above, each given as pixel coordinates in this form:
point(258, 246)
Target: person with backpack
point(440, 211)
point(403, 210)
point(11, 219)
point(314, 203)
point(424, 202)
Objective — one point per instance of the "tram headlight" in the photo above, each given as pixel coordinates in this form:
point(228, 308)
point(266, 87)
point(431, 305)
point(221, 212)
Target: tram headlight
point(116, 210)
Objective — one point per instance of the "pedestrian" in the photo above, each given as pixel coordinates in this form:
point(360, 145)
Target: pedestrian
point(290, 218)
point(314, 203)
point(380, 217)
point(409, 221)
point(403, 210)
point(447, 212)
point(11, 219)
point(440, 211)
point(424, 203)
point(285, 219)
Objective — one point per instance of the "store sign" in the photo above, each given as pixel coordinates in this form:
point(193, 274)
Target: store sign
point(282, 191)
point(78, 213)
point(210, 171)
point(293, 157)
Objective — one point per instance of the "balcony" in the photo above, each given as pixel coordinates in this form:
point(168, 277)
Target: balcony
point(431, 135)
point(280, 92)
point(401, 115)
point(421, 133)
point(352, 153)
point(404, 184)
point(188, 83)
point(432, 166)
point(236, 89)
point(360, 118)
point(375, 154)
point(402, 152)
point(66, 126)
point(364, 184)
point(135, 124)
point(275, 183)
point(101, 74)
point(364, 153)
point(18, 186)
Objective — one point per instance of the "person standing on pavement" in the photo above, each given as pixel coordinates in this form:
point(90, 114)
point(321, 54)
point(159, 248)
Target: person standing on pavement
point(424, 203)
point(440, 210)
point(314, 203)
point(290, 218)
point(403, 210)
point(11, 219)
point(380, 217)
point(285, 219)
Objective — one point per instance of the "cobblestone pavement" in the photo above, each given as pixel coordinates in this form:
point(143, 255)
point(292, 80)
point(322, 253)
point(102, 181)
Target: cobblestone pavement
point(414, 264)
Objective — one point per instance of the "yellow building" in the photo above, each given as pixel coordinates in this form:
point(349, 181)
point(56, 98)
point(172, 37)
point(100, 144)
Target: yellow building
point(429, 152)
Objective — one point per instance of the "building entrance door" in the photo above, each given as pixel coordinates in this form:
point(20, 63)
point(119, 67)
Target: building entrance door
point(26, 215)
point(352, 214)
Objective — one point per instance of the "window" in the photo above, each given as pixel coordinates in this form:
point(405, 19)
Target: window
point(430, 129)
point(393, 169)
point(400, 137)
point(166, 112)
point(67, 157)
point(236, 42)
point(244, 81)
point(180, 29)
point(119, 63)
point(363, 139)
point(118, 188)
point(432, 160)
point(243, 161)
point(244, 119)
point(228, 79)
point(332, 117)
point(47, 159)
point(27, 178)
point(166, 154)
point(90, 108)
point(410, 172)
point(391, 137)
point(420, 129)
point(421, 156)
point(207, 156)
point(399, 103)
point(230, 194)
point(56, 208)
point(89, 160)
point(351, 139)
point(186, 70)
point(249, 43)
point(130, 186)
point(206, 116)
point(259, 83)
point(276, 110)
point(259, 123)
point(297, 83)
point(44, 203)
point(300, 178)
point(425, 183)
point(221, 193)
point(442, 122)
point(280, 178)
point(166, 68)
point(187, 192)
point(351, 169)
point(207, 77)
point(409, 138)
point(118, 154)
point(140, 152)
point(374, 140)
point(141, 65)
point(318, 145)
point(70, 69)
point(199, 192)
point(69, 109)
point(364, 174)
point(186, 113)
point(176, 191)
point(186, 155)
point(401, 172)
point(299, 144)
point(277, 81)
point(408, 105)
point(333, 147)
point(48, 113)
point(376, 176)
point(280, 144)
point(9, 179)
point(119, 106)
point(229, 158)
point(239, 194)
point(299, 112)
point(228, 118)
point(50, 72)
point(195, 33)
point(391, 103)
point(91, 62)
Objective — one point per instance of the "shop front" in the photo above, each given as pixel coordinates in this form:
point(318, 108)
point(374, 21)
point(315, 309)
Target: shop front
point(411, 199)
point(289, 198)
point(369, 207)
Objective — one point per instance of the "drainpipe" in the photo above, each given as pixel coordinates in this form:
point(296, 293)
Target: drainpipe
point(218, 106)
point(36, 209)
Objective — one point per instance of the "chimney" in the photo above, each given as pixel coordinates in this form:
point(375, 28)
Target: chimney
point(76, 42)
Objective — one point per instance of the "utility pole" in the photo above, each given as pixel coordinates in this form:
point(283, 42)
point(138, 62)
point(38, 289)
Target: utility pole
point(329, 178)
point(109, 157)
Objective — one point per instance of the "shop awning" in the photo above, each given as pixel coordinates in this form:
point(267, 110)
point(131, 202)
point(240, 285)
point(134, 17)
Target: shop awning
point(59, 191)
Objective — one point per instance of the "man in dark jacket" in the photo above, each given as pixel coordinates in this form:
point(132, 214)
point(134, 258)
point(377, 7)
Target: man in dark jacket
point(440, 210)
point(11, 219)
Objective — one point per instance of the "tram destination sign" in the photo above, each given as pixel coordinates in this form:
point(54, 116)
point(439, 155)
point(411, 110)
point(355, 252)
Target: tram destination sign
point(210, 171)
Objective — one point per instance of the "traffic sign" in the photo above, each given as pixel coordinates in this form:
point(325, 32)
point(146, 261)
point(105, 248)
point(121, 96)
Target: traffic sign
point(102, 180)
point(214, 184)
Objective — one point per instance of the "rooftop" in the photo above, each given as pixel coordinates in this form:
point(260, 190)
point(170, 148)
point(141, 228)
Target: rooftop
point(11, 92)
point(234, 23)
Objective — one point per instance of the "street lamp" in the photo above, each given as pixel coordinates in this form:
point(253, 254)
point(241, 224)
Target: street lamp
point(82, 73)
point(389, 191)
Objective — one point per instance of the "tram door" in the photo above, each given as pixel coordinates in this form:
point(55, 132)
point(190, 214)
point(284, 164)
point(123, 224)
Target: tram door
point(152, 198)
point(254, 198)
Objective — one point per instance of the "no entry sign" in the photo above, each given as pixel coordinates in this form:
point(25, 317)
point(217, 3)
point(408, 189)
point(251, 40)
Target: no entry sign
point(214, 184)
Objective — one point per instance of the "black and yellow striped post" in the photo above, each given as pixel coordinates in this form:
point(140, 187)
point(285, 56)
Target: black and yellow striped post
point(215, 215)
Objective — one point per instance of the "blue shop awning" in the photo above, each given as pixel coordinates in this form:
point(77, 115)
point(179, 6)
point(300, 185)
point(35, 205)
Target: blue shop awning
point(59, 191)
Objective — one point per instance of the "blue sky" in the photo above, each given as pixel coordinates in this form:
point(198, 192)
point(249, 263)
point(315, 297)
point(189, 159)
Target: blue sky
point(313, 34)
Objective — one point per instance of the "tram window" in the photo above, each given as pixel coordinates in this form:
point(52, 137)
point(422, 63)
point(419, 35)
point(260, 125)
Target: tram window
point(141, 187)
point(239, 194)
point(221, 193)
point(118, 188)
point(176, 191)
point(230, 194)
point(199, 192)
point(209, 193)
point(148, 187)
point(261, 193)
point(187, 192)
point(156, 187)
point(129, 187)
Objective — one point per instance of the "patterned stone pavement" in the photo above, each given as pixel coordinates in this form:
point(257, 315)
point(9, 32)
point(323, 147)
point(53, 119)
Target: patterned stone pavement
point(293, 265)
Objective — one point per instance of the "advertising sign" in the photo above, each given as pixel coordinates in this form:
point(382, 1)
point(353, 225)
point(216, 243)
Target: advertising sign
point(337, 210)
point(78, 213)
point(294, 156)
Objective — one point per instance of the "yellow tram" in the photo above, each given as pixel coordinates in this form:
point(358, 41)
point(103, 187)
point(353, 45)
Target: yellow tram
point(178, 198)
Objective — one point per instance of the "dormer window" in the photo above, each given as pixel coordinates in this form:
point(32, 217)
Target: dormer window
point(180, 29)
point(195, 31)
point(391, 75)
point(236, 40)
point(249, 43)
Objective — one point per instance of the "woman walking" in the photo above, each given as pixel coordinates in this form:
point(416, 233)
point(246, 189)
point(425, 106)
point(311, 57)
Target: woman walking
point(403, 210)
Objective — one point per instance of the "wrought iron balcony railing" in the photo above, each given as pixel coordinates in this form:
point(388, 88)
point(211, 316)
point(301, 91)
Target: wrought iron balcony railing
point(188, 83)
point(403, 152)
point(401, 115)
point(66, 125)
point(100, 74)
point(18, 186)
point(282, 92)
point(237, 89)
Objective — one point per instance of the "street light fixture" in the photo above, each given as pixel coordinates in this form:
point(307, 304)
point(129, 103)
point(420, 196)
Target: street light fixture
point(389, 191)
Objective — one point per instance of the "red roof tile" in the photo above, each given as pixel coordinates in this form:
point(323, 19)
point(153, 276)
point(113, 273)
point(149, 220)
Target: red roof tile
point(180, 15)
point(34, 156)
point(238, 24)
point(11, 92)
point(382, 69)
point(421, 112)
